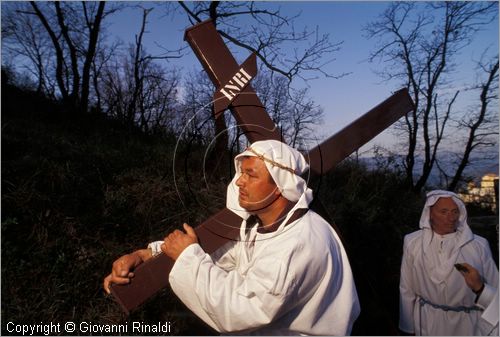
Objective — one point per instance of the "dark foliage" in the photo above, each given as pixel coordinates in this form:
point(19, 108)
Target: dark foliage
point(76, 194)
point(373, 210)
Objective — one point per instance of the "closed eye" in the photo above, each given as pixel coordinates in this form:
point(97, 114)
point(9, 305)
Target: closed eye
point(249, 174)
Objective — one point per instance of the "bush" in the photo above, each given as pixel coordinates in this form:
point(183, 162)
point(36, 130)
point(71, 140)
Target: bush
point(373, 210)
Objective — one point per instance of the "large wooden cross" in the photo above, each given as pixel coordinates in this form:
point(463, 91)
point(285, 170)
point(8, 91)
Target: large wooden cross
point(235, 91)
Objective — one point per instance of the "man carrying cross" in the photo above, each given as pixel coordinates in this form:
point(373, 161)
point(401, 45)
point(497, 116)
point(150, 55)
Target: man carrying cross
point(287, 274)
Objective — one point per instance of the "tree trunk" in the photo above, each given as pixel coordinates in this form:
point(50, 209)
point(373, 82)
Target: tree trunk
point(75, 90)
point(471, 141)
point(91, 50)
point(59, 53)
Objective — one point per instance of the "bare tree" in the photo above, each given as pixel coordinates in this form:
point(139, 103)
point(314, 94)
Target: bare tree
point(159, 100)
point(73, 31)
point(93, 18)
point(23, 35)
point(139, 65)
point(195, 118)
point(151, 108)
point(419, 49)
point(292, 110)
point(270, 35)
point(58, 51)
point(103, 55)
point(137, 90)
point(481, 123)
point(305, 115)
point(273, 92)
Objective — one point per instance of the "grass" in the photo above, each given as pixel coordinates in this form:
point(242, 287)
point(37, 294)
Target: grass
point(75, 196)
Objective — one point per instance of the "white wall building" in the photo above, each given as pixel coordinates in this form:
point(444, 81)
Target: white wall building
point(484, 194)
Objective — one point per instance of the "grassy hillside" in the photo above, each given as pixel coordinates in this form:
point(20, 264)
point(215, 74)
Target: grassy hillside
point(76, 194)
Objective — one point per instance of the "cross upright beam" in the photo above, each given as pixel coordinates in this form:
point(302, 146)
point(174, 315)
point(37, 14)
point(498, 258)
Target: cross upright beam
point(221, 67)
point(152, 276)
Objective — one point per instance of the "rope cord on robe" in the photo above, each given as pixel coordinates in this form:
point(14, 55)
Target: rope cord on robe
point(422, 301)
point(443, 307)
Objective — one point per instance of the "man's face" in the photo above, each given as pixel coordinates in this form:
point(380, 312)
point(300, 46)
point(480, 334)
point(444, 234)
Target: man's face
point(444, 216)
point(257, 188)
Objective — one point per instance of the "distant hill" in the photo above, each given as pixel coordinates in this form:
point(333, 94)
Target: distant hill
point(478, 167)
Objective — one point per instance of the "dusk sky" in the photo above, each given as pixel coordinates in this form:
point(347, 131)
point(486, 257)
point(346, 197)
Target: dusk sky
point(343, 99)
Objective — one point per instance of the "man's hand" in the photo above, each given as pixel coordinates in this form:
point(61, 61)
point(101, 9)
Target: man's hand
point(177, 241)
point(472, 277)
point(121, 273)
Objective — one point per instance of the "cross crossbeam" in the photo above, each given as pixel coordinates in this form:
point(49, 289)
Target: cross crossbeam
point(250, 114)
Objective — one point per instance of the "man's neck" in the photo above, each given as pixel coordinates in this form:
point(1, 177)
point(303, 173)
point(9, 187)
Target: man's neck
point(275, 213)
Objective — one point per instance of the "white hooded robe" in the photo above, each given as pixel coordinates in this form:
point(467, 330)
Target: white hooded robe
point(427, 272)
point(295, 280)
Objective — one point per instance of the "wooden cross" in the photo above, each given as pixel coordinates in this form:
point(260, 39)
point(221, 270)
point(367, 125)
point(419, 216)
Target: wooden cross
point(235, 91)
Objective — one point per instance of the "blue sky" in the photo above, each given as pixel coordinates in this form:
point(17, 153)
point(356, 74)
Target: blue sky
point(343, 99)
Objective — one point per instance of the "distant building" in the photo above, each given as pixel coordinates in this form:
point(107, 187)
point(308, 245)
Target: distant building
point(484, 194)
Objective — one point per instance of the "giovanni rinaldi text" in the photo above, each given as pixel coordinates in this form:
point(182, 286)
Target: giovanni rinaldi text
point(86, 328)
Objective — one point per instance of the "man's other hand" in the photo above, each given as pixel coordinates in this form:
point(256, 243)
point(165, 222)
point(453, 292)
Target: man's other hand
point(177, 241)
point(472, 277)
point(123, 267)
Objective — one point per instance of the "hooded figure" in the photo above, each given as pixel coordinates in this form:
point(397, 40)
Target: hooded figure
point(289, 277)
point(434, 299)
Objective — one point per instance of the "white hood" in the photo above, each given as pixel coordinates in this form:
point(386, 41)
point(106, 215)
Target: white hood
point(284, 163)
point(463, 235)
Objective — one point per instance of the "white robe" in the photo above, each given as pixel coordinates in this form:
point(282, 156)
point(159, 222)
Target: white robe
point(296, 280)
point(429, 278)
point(424, 273)
point(488, 325)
